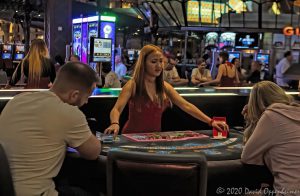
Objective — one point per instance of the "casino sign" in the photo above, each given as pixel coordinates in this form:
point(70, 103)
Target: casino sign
point(289, 31)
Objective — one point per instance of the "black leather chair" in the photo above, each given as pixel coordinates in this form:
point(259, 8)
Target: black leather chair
point(146, 174)
point(6, 183)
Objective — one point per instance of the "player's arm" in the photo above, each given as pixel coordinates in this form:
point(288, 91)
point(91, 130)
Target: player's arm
point(259, 142)
point(90, 149)
point(218, 78)
point(79, 135)
point(119, 106)
point(191, 109)
point(237, 79)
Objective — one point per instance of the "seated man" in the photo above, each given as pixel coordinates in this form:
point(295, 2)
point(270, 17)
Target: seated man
point(37, 127)
point(171, 75)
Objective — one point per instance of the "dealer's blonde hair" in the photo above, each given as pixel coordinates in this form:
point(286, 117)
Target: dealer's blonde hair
point(263, 95)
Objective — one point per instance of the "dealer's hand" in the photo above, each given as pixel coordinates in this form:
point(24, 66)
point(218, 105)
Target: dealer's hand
point(113, 128)
point(219, 125)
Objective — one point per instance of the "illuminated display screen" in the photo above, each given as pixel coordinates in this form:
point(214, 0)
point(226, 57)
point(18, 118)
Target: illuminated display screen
point(7, 48)
point(101, 50)
point(227, 39)
point(108, 30)
point(263, 58)
point(211, 39)
point(233, 55)
point(77, 39)
point(246, 40)
point(203, 11)
point(193, 11)
point(6, 56)
point(19, 56)
point(20, 48)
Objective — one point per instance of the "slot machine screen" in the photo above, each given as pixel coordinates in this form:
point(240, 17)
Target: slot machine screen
point(263, 58)
point(233, 55)
point(19, 56)
point(19, 52)
point(6, 55)
point(101, 49)
point(131, 55)
point(7, 48)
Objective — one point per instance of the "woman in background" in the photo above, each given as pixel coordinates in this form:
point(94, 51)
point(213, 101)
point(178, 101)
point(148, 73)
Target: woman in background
point(273, 135)
point(36, 69)
point(227, 73)
point(111, 79)
point(240, 71)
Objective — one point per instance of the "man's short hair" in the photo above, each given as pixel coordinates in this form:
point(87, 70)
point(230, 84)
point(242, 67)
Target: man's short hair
point(288, 53)
point(75, 75)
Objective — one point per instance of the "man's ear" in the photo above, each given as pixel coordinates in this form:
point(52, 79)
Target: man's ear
point(73, 96)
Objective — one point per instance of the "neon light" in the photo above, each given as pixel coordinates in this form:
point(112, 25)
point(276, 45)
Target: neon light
point(108, 18)
point(93, 18)
point(289, 31)
point(77, 20)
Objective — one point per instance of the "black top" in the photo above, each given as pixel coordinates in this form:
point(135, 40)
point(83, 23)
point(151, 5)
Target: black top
point(254, 77)
point(48, 70)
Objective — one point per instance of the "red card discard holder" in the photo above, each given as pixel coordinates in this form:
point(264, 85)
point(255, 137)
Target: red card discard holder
point(220, 134)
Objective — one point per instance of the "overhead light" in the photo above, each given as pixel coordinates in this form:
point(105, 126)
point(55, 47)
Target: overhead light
point(16, 11)
point(138, 30)
point(179, 40)
point(39, 15)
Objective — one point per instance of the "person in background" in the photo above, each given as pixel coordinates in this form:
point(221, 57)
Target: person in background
point(200, 74)
point(283, 65)
point(170, 73)
point(120, 68)
point(59, 61)
point(255, 73)
point(227, 73)
point(111, 78)
point(74, 58)
point(273, 135)
point(3, 76)
point(148, 95)
point(240, 71)
point(37, 127)
point(36, 69)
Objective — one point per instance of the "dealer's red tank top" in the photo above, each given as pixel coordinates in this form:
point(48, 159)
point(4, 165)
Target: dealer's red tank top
point(144, 115)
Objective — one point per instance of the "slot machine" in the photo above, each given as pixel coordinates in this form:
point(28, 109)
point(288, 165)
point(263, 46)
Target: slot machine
point(233, 55)
point(19, 53)
point(6, 52)
point(264, 60)
point(6, 56)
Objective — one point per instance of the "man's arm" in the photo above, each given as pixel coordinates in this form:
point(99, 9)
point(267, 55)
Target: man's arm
point(90, 149)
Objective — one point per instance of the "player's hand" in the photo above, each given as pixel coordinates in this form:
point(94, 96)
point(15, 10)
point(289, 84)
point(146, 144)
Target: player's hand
point(7, 86)
point(201, 85)
point(219, 125)
point(113, 128)
point(245, 111)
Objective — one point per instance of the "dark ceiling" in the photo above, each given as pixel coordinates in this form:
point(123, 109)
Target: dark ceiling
point(13, 10)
